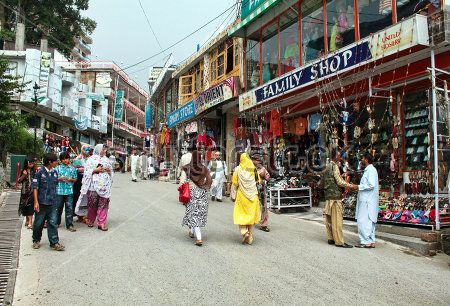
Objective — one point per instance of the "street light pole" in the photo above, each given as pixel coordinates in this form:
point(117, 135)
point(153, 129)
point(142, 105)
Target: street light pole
point(36, 89)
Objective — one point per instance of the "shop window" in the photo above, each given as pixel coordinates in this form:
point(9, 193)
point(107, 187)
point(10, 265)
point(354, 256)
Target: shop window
point(186, 88)
point(252, 63)
point(374, 15)
point(230, 56)
point(289, 47)
point(313, 44)
point(340, 24)
point(270, 52)
point(199, 77)
point(406, 8)
point(236, 53)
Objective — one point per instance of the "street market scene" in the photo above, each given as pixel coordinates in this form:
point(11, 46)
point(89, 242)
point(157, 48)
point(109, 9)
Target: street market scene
point(292, 152)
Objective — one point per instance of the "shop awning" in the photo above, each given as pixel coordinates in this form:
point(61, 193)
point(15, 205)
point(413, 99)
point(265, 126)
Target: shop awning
point(253, 14)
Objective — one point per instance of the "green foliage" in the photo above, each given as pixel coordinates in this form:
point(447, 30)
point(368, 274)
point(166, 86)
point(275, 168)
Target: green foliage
point(58, 21)
point(12, 125)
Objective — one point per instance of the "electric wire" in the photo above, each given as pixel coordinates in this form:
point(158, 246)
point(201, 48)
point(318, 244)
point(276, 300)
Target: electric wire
point(150, 26)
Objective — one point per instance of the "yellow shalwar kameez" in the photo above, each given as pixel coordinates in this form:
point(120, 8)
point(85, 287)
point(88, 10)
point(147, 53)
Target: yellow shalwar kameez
point(246, 207)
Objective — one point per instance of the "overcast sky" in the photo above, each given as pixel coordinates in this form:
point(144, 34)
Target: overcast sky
point(123, 35)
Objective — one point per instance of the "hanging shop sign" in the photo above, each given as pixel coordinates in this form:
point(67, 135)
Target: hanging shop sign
point(118, 108)
point(44, 76)
point(81, 125)
point(404, 35)
point(95, 96)
point(183, 113)
point(148, 116)
point(215, 95)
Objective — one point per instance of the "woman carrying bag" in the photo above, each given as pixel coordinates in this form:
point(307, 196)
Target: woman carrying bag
point(246, 206)
point(26, 205)
point(199, 181)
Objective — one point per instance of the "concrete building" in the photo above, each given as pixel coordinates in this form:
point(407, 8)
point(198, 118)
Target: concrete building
point(82, 50)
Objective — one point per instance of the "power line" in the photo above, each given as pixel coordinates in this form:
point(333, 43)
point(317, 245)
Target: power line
point(150, 26)
point(181, 40)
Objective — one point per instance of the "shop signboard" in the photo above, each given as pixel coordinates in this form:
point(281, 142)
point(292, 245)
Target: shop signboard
point(255, 7)
point(118, 106)
point(215, 95)
point(183, 113)
point(399, 37)
point(95, 96)
point(148, 116)
point(44, 76)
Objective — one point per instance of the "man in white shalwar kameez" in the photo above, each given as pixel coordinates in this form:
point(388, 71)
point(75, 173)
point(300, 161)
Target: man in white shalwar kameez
point(135, 165)
point(367, 205)
point(218, 170)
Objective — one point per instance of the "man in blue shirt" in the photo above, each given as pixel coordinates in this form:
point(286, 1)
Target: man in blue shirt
point(67, 176)
point(45, 205)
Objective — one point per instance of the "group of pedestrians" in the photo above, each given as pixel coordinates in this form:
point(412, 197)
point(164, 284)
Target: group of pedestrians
point(143, 164)
point(81, 187)
point(247, 192)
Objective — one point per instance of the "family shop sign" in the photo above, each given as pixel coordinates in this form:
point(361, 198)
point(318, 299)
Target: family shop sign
point(399, 37)
point(183, 113)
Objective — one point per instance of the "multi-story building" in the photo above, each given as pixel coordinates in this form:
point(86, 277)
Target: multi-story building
point(354, 76)
point(208, 86)
point(65, 105)
point(107, 79)
point(163, 99)
point(81, 52)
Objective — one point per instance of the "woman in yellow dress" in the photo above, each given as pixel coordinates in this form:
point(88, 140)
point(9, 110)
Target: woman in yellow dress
point(246, 206)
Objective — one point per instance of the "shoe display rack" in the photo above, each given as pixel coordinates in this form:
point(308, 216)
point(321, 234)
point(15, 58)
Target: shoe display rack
point(280, 198)
point(417, 124)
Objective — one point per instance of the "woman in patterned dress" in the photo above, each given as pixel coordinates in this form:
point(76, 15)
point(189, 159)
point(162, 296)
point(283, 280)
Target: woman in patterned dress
point(197, 208)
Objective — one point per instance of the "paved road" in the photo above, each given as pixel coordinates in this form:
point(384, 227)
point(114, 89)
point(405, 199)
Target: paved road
point(148, 258)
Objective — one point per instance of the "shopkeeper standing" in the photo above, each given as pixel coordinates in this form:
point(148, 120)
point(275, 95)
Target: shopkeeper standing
point(367, 205)
point(333, 211)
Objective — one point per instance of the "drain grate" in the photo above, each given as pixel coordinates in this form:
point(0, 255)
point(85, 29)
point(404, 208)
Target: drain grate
point(10, 225)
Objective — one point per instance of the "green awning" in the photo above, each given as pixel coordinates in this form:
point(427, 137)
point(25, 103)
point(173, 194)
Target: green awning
point(252, 16)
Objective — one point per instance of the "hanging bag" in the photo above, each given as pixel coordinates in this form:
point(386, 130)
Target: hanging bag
point(184, 190)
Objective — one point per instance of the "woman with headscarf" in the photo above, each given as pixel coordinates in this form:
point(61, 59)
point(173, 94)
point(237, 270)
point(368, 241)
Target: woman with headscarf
point(197, 208)
point(246, 206)
point(79, 164)
point(26, 204)
point(96, 190)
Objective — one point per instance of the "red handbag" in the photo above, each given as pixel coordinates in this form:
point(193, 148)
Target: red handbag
point(184, 193)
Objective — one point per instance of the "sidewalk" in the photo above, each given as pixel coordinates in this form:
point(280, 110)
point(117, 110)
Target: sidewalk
point(403, 236)
point(10, 227)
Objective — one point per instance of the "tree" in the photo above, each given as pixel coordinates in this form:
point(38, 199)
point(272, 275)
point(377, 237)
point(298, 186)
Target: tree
point(58, 21)
point(14, 137)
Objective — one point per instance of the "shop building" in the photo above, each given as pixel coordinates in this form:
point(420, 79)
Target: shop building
point(208, 86)
point(125, 102)
point(163, 99)
point(66, 106)
point(355, 76)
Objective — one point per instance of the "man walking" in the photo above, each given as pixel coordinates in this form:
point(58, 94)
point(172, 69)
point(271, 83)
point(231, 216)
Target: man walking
point(67, 176)
point(367, 204)
point(45, 206)
point(333, 211)
point(218, 171)
point(134, 160)
point(144, 166)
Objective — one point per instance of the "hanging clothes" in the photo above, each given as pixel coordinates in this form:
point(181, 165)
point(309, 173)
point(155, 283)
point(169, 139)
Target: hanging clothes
point(301, 124)
point(276, 125)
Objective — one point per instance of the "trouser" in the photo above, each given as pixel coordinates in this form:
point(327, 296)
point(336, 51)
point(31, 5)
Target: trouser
point(134, 173)
point(65, 202)
point(366, 230)
point(76, 190)
point(197, 232)
point(334, 221)
point(97, 208)
point(47, 213)
point(217, 189)
point(264, 222)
